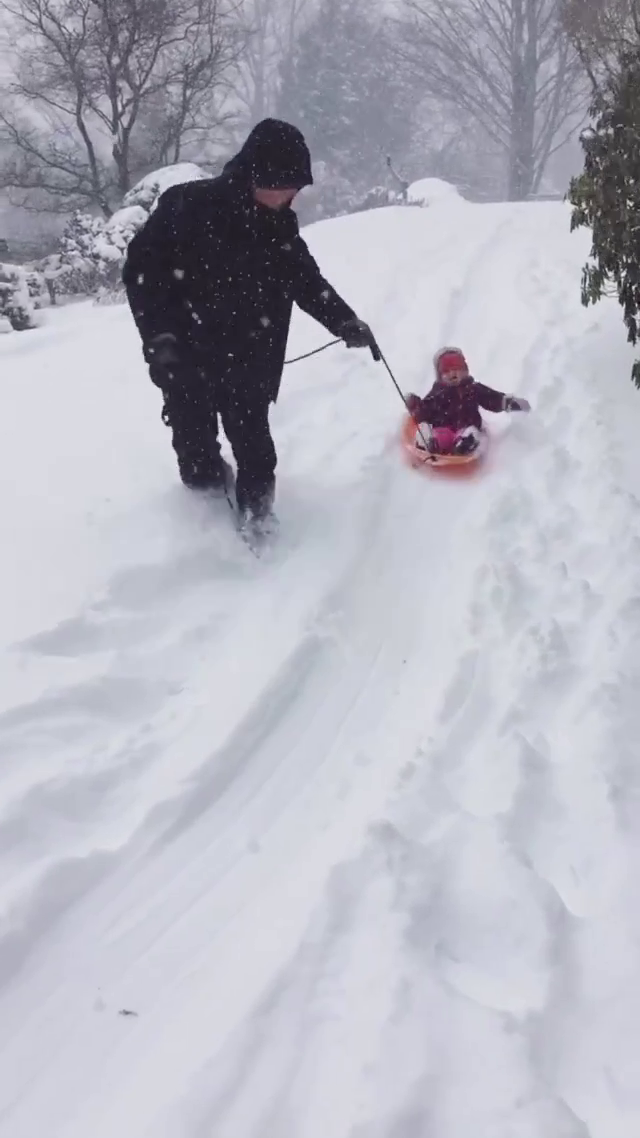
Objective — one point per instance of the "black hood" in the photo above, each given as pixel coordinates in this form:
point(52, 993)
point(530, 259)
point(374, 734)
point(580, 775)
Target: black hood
point(274, 157)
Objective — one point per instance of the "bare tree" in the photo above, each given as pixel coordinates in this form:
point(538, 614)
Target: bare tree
point(601, 30)
point(103, 89)
point(273, 26)
point(505, 64)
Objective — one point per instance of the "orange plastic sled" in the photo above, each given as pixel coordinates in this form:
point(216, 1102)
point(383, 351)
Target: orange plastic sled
point(420, 458)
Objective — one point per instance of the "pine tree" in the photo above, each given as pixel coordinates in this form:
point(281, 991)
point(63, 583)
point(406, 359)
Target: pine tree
point(606, 196)
point(341, 87)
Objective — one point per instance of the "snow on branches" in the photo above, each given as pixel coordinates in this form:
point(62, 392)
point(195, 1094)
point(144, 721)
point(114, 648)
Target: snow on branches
point(92, 250)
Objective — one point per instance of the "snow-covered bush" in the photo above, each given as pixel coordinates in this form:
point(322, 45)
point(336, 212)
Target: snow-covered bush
point(379, 197)
point(109, 248)
point(333, 196)
point(37, 287)
point(431, 191)
point(16, 305)
point(92, 251)
point(146, 192)
point(72, 270)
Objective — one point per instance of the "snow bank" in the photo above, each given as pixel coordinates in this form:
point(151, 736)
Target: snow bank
point(433, 191)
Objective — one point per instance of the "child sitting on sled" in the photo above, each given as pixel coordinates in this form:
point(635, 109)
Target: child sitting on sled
point(451, 410)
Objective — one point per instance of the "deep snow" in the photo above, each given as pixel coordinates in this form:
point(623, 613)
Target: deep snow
point(352, 830)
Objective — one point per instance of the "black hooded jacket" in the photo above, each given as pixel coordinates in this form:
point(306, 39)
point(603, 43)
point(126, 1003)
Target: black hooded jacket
point(222, 273)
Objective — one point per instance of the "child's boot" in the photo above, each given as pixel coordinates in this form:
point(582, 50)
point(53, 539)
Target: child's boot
point(466, 443)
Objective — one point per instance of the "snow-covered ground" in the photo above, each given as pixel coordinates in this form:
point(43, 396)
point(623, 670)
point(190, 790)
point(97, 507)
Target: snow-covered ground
point(354, 830)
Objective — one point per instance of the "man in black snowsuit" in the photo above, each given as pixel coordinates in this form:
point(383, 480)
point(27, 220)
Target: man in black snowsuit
point(211, 279)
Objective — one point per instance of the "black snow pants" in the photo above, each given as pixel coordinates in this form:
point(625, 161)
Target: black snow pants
point(194, 402)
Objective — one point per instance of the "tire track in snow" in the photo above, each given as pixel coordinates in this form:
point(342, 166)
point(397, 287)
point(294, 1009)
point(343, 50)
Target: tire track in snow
point(462, 296)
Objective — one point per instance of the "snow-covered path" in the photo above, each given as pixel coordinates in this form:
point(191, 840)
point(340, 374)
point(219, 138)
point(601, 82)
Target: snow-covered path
point(352, 831)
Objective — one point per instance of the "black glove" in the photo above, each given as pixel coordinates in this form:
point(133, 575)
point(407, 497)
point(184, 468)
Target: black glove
point(163, 350)
point(513, 403)
point(357, 334)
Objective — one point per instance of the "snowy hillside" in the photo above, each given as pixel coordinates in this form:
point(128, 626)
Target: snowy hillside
point(354, 831)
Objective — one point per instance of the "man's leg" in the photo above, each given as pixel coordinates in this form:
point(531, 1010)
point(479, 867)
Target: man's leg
point(189, 410)
point(245, 418)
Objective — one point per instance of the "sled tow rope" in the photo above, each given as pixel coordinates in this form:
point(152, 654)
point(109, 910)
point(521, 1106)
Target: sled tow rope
point(378, 355)
point(296, 359)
